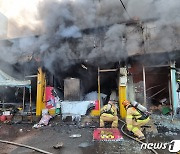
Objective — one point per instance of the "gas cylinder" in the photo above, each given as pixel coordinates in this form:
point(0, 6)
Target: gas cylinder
point(139, 106)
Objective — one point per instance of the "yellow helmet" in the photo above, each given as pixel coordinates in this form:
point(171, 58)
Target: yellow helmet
point(125, 102)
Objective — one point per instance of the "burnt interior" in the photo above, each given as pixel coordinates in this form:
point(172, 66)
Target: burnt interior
point(157, 78)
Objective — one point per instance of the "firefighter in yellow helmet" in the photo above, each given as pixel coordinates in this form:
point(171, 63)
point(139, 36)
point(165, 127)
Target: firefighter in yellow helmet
point(109, 114)
point(135, 119)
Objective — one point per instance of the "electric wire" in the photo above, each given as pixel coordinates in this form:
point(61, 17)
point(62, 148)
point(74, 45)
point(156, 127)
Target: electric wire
point(125, 8)
point(154, 151)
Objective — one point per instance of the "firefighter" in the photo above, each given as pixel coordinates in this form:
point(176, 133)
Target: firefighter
point(109, 114)
point(135, 118)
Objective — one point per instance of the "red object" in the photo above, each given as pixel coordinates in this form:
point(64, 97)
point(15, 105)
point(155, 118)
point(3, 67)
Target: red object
point(3, 118)
point(96, 105)
point(50, 100)
point(107, 134)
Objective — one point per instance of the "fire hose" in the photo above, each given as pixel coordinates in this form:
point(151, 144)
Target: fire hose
point(154, 151)
point(26, 146)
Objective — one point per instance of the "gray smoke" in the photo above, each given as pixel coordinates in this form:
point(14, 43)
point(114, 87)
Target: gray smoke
point(163, 34)
point(114, 43)
point(67, 19)
point(63, 42)
point(72, 31)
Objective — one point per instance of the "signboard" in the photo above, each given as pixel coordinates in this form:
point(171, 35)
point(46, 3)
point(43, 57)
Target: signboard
point(107, 134)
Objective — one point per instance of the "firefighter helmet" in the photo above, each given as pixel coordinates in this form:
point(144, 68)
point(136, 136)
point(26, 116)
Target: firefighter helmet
point(125, 102)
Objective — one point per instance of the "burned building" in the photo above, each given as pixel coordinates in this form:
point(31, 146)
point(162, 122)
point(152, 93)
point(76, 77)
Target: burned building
point(78, 42)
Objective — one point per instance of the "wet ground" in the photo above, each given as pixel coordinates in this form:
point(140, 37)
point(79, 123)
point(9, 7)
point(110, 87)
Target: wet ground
point(58, 131)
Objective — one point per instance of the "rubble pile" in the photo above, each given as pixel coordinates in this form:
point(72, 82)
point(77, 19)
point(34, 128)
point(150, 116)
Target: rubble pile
point(166, 121)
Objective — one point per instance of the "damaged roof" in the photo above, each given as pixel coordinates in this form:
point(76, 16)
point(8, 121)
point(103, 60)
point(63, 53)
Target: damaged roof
point(6, 80)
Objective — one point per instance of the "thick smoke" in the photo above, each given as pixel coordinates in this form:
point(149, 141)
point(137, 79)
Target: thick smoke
point(164, 35)
point(69, 33)
point(65, 20)
point(72, 31)
point(114, 43)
